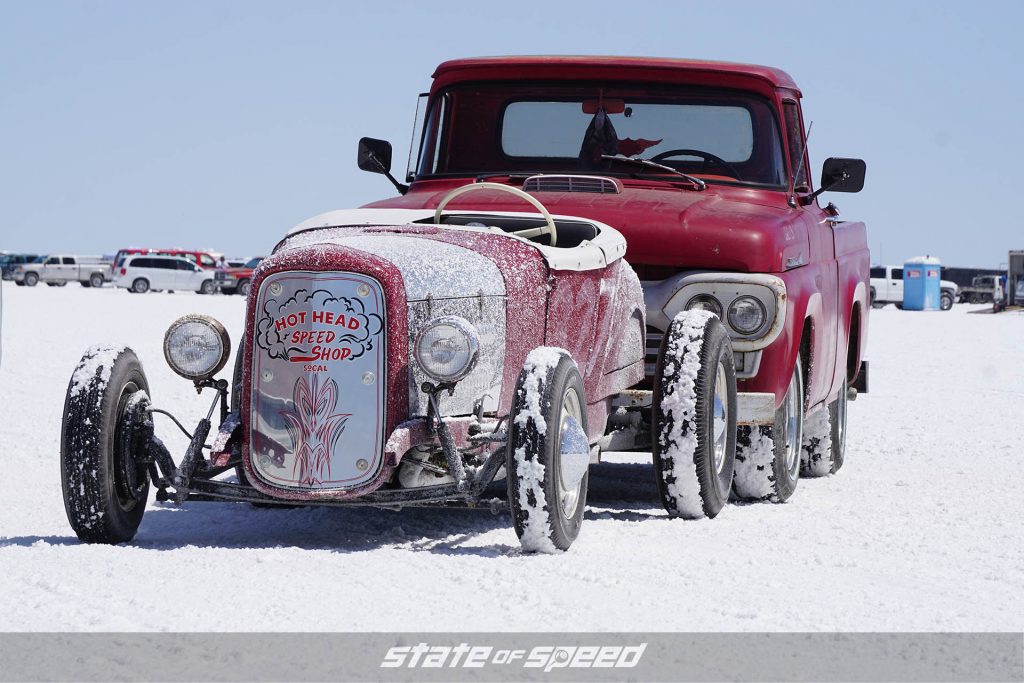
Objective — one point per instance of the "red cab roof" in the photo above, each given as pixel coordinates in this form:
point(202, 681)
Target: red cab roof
point(662, 69)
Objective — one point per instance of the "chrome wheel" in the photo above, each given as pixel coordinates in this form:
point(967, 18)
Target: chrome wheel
point(792, 421)
point(720, 418)
point(573, 447)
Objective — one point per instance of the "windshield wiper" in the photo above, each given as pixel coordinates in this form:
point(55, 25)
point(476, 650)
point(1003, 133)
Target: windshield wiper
point(698, 184)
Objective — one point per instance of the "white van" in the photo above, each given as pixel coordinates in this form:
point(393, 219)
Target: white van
point(142, 272)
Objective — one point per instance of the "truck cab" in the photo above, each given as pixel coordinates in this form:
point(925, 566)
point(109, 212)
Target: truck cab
point(703, 166)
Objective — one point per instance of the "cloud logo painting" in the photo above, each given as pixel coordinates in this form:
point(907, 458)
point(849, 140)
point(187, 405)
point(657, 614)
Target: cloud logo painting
point(316, 326)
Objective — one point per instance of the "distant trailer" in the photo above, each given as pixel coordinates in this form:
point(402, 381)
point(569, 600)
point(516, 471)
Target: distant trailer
point(1015, 278)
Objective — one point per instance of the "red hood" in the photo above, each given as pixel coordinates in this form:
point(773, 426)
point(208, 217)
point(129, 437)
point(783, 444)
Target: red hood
point(722, 228)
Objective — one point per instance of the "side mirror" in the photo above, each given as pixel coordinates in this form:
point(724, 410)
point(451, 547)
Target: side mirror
point(839, 175)
point(842, 175)
point(374, 155)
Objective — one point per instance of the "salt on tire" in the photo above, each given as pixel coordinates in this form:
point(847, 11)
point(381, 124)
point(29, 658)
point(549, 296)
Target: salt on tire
point(105, 489)
point(547, 472)
point(694, 416)
point(824, 449)
point(768, 458)
point(140, 286)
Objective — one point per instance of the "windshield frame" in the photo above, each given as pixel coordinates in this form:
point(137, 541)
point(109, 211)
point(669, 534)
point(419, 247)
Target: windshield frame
point(437, 134)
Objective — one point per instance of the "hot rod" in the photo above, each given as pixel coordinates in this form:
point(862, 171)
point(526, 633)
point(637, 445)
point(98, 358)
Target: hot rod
point(407, 357)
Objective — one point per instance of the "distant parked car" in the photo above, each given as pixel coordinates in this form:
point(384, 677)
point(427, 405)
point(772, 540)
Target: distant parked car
point(887, 288)
point(236, 280)
point(141, 273)
point(9, 261)
point(56, 270)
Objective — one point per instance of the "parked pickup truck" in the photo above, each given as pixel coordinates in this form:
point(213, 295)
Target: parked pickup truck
point(703, 166)
point(887, 288)
point(57, 270)
point(980, 291)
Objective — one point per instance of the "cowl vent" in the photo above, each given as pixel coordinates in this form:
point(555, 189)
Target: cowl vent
point(572, 183)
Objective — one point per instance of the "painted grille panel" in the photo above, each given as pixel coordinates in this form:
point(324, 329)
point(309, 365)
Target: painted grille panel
point(319, 371)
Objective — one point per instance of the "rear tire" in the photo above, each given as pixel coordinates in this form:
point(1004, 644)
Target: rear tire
point(31, 279)
point(694, 416)
point(105, 488)
point(140, 286)
point(547, 493)
point(96, 280)
point(768, 458)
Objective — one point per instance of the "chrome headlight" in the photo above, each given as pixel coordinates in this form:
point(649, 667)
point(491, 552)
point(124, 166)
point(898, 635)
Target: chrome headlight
point(447, 348)
point(746, 314)
point(705, 302)
point(196, 347)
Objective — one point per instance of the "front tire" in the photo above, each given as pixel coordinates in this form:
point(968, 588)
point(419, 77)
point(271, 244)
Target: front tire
point(768, 458)
point(945, 301)
point(243, 287)
point(694, 416)
point(140, 286)
point(105, 487)
point(548, 452)
point(207, 287)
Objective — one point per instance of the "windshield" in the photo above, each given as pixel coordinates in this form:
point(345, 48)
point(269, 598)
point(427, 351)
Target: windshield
point(527, 128)
point(254, 262)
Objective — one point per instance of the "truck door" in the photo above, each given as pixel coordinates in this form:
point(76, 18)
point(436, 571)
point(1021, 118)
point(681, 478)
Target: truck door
point(821, 261)
point(896, 285)
point(68, 269)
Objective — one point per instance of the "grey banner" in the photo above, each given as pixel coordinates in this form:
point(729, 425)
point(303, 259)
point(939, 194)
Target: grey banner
point(910, 657)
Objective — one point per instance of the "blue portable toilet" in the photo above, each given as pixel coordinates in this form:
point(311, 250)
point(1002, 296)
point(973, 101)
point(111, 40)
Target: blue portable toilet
point(921, 289)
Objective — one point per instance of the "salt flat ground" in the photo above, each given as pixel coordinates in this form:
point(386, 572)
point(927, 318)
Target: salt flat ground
point(922, 529)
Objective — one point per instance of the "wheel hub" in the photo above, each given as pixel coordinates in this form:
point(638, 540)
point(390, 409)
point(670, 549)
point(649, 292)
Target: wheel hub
point(574, 454)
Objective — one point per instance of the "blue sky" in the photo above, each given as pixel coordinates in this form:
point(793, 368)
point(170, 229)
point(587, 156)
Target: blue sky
point(221, 124)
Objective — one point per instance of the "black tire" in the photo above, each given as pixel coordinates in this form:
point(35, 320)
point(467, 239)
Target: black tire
point(945, 301)
point(85, 283)
point(51, 284)
point(105, 491)
point(20, 284)
point(140, 286)
point(768, 458)
point(694, 459)
point(877, 304)
point(208, 287)
point(96, 280)
point(243, 287)
point(547, 511)
point(31, 279)
point(899, 307)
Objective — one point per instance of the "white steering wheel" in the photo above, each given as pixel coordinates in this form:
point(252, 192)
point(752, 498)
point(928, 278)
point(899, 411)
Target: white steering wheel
point(548, 228)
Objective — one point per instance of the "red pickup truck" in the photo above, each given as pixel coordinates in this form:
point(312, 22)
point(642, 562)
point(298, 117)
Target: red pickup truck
point(703, 166)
